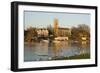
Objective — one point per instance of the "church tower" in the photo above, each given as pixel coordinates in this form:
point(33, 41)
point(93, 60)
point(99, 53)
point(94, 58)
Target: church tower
point(55, 27)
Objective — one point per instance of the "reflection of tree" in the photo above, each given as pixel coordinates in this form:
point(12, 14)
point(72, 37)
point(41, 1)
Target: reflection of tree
point(81, 31)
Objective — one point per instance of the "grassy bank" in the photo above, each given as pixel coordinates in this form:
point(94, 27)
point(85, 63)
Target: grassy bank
point(81, 56)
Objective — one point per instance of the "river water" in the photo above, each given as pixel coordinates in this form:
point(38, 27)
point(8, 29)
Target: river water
point(44, 51)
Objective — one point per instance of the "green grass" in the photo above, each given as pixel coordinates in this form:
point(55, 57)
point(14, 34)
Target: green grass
point(81, 56)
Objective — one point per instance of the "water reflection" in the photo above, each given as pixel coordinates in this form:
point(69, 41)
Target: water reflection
point(43, 51)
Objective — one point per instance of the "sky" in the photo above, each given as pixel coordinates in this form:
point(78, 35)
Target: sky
point(43, 19)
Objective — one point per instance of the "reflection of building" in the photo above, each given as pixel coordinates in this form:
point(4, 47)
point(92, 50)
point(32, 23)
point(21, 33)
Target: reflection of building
point(42, 32)
point(58, 31)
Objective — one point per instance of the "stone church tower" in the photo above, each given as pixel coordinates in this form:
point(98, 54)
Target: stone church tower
point(55, 27)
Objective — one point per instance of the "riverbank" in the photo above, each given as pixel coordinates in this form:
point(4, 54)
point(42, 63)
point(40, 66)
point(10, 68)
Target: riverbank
point(81, 56)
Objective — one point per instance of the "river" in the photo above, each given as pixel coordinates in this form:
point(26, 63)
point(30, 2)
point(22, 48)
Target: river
point(44, 51)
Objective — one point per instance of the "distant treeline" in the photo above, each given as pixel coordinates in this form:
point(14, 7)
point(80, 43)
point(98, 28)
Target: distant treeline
point(77, 33)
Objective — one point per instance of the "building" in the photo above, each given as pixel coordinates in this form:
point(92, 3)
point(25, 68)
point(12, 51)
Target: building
point(59, 31)
point(42, 32)
point(56, 27)
point(64, 32)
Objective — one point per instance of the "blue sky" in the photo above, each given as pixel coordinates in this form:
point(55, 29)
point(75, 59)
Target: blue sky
point(43, 19)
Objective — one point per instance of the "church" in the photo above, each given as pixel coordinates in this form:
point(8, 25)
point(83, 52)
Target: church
point(61, 32)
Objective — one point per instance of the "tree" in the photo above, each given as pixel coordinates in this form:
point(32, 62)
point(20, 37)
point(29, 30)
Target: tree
point(29, 34)
point(82, 30)
point(84, 27)
point(50, 29)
